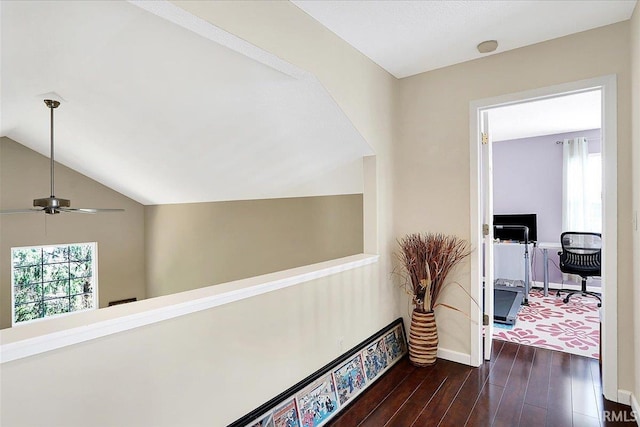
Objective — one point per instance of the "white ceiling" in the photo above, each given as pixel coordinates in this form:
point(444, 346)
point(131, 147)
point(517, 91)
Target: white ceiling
point(411, 37)
point(167, 108)
point(550, 116)
point(170, 112)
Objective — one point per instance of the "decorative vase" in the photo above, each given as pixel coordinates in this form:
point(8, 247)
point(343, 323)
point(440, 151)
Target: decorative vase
point(423, 338)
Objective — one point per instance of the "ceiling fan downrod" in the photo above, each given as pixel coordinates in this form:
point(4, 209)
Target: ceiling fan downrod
point(52, 104)
point(51, 203)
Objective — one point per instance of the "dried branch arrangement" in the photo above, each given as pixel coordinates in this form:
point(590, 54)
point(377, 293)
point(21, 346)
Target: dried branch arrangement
point(428, 258)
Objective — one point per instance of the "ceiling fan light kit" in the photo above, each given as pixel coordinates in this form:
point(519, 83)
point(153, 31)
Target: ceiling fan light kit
point(53, 205)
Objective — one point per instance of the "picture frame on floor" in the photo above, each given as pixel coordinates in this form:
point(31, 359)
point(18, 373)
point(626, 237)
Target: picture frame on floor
point(320, 397)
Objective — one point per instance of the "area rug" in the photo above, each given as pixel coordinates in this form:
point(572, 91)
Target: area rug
point(550, 323)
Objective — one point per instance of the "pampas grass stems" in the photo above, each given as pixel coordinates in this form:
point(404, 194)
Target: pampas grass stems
point(427, 259)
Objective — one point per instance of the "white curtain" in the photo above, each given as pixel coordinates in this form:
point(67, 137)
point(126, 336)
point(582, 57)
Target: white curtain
point(575, 155)
point(575, 205)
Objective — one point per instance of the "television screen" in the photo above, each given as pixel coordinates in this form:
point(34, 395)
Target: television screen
point(530, 220)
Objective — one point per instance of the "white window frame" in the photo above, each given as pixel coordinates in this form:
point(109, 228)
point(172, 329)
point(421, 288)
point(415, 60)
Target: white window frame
point(94, 268)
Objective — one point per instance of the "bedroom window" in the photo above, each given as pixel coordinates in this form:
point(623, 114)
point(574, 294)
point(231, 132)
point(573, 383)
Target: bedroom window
point(52, 280)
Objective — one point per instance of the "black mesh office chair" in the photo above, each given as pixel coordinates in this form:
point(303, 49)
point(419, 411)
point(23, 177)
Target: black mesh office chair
point(581, 255)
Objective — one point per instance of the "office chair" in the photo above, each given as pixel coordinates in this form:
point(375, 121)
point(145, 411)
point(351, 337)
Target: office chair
point(581, 254)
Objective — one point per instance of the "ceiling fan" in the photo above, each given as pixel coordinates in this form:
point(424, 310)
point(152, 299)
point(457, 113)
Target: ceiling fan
point(53, 205)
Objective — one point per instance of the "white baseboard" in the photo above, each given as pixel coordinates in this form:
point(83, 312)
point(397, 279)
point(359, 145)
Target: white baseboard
point(635, 407)
point(624, 397)
point(565, 286)
point(627, 398)
point(454, 356)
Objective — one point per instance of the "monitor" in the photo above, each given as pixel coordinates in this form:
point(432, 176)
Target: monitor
point(529, 220)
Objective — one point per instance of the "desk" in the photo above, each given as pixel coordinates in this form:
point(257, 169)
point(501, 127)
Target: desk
point(545, 246)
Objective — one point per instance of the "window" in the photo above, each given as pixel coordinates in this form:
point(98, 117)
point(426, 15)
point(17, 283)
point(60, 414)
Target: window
point(52, 280)
point(581, 187)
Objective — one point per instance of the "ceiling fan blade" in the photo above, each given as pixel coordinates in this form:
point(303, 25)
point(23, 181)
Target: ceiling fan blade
point(19, 211)
point(89, 210)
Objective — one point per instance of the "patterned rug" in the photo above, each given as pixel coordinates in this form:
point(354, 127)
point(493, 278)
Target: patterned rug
point(550, 323)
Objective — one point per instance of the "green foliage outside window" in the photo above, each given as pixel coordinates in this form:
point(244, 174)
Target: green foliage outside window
point(52, 280)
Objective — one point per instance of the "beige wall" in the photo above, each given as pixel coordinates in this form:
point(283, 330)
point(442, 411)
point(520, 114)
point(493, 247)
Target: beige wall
point(24, 176)
point(193, 245)
point(635, 128)
point(212, 367)
point(432, 157)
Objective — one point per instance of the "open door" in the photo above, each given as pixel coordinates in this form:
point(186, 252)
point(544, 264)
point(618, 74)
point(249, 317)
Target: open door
point(487, 230)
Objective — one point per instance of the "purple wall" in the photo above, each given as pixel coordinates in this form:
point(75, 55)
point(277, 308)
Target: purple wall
point(527, 178)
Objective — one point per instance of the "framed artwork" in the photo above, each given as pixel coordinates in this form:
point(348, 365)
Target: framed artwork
point(376, 358)
point(286, 415)
point(320, 397)
point(395, 343)
point(264, 421)
point(349, 378)
point(317, 402)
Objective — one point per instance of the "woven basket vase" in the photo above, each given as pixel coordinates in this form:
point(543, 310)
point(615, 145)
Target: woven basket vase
point(423, 339)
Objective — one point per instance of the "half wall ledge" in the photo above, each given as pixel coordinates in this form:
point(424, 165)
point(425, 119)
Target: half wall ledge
point(32, 339)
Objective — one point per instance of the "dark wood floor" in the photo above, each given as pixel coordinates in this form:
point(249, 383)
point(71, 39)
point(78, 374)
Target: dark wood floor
point(520, 386)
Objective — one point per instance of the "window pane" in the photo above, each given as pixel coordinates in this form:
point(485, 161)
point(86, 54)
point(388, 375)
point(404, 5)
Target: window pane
point(56, 272)
point(81, 286)
point(55, 254)
point(28, 293)
point(26, 256)
point(81, 269)
point(56, 306)
point(29, 312)
point(80, 252)
point(81, 302)
point(56, 289)
point(26, 275)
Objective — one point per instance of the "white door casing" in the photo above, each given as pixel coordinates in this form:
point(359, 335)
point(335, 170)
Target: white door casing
point(487, 221)
point(608, 89)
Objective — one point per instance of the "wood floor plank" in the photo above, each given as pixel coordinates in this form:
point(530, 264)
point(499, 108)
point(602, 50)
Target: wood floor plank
point(538, 388)
point(583, 395)
point(533, 416)
point(496, 347)
point(508, 391)
point(393, 402)
point(618, 415)
point(510, 408)
point(581, 420)
point(369, 400)
point(559, 405)
point(596, 378)
point(503, 364)
point(424, 394)
point(458, 412)
point(484, 411)
point(437, 407)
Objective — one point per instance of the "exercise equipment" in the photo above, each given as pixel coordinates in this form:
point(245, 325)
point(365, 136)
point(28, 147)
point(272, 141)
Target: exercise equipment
point(508, 296)
point(506, 305)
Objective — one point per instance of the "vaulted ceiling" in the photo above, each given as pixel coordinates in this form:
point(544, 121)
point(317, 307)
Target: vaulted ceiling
point(166, 108)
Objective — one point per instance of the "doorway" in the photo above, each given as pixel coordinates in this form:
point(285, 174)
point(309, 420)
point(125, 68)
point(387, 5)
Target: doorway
point(482, 274)
point(546, 158)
